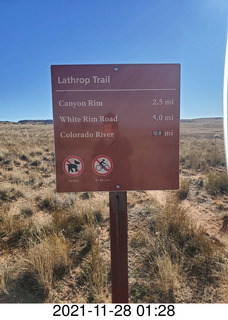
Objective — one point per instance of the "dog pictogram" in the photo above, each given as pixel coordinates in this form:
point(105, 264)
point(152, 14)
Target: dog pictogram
point(73, 166)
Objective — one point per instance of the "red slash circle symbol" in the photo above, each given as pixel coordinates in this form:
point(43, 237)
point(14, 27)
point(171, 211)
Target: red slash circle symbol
point(73, 166)
point(102, 165)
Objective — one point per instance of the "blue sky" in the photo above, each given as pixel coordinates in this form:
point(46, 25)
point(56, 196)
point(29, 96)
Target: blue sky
point(37, 34)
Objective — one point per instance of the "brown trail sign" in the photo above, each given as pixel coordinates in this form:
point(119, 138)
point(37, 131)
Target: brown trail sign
point(116, 129)
point(126, 113)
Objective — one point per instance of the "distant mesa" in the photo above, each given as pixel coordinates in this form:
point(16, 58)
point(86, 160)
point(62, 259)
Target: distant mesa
point(49, 121)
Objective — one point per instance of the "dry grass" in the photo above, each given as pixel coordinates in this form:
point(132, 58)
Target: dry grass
point(4, 270)
point(47, 260)
point(95, 274)
point(55, 247)
point(176, 252)
point(202, 145)
point(217, 183)
point(16, 230)
point(165, 275)
point(182, 193)
point(31, 277)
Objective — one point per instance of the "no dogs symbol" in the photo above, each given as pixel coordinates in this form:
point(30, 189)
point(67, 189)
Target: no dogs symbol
point(102, 165)
point(73, 166)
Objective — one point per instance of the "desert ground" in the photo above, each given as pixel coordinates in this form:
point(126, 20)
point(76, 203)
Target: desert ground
point(55, 248)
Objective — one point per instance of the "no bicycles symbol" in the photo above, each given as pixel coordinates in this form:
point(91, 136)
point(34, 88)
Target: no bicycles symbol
point(102, 165)
point(73, 166)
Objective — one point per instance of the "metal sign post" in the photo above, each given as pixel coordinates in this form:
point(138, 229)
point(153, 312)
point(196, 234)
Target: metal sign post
point(119, 256)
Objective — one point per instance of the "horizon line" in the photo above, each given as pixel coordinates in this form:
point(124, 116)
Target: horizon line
point(181, 119)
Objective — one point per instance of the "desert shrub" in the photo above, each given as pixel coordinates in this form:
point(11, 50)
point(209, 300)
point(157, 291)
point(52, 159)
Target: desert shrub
point(4, 155)
point(51, 203)
point(186, 237)
point(3, 275)
point(16, 178)
point(26, 289)
point(19, 285)
point(10, 193)
point(194, 160)
point(48, 203)
point(138, 239)
point(23, 157)
point(225, 224)
point(165, 274)
point(69, 224)
point(176, 248)
point(71, 219)
point(139, 292)
point(3, 195)
point(182, 193)
point(37, 152)
point(199, 159)
point(31, 277)
point(47, 260)
point(86, 195)
point(26, 211)
point(17, 231)
point(217, 183)
point(35, 163)
point(215, 157)
point(95, 274)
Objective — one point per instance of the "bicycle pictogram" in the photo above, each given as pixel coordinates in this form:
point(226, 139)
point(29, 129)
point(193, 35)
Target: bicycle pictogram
point(102, 165)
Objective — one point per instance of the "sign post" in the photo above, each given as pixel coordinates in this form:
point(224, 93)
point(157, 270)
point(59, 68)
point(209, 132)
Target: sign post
point(116, 129)
point(119, 251)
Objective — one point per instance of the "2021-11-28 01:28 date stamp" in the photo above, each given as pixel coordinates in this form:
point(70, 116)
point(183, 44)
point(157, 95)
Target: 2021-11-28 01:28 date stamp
point(116, 310)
